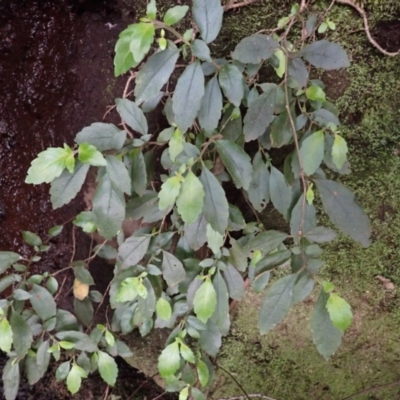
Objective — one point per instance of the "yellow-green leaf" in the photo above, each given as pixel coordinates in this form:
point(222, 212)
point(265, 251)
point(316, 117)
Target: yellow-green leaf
point(282, 63)
point(169, 192)
point(169, 360)
point(88, 154)
point(191, 198)
point(49, 164)
point(339, 151)
point(6, 335)
point(339, 311)
point(163, 309)
point(205, 301)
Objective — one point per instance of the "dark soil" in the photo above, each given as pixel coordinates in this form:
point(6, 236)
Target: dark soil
point(56, 77)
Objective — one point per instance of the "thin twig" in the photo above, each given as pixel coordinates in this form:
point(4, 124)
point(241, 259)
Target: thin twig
point(361, 11)
point(246, 396)
point(387, 385)
point(257, 396)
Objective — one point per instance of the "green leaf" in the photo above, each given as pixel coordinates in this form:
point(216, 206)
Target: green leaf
point(315, 93)
point(42, 359)
point(7, 258)
point(83, 309)
point(128, 291)
point(151, 10)
point(11, 379)
point(118, 174)
point(276, 304)
point(83, 275)
point(175, 14)
point(280, 70)
point(306, 215)
point(281, 132)
point(173, 270)
point(133, 250)
point(195, 233)
point(163, 309)
point(201, 50)
point(271, 261)
point(6, 335)
point(211, 106)
point(81, 341)
point(67, 186)
point(339, 151)
point(63, 370)
point(176, 144)
point(169, 360)
point(132, 115)
point(138, 172)
point(154, 74)
point(326, 336)
point(259, 187)
point(107, 367)
point(191, 198)
point(231, 82)
point(326, 55)
point(203, 373)
point(303, 287)
point(74, 378)
point(320, 234)
point(132, 46)
point(216, 207)
point(197, 394)
point(169, 192)
point(186, 100)
point(234, 282)
point(254, 49)
point(31, 238)
point(49, 164)
point(221, 314)
point(236, 161)
point(22, 335)
point(339, 311)
point(55, 230)
point(187, 353)
point(208, 15)
point(6, 282)
point(108, 208)
point(205, 301)
point(123, 59)
point(259, 116)
point(85, 220)
point(102, 136)
point(214, 239)
point(297, 70)
point(343, 210)
point(42, 302)
point(19, 294)
point(280, 191)
point(88, 154)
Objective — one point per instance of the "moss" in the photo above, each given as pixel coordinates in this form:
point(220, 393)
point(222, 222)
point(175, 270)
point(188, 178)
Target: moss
point(285, 364)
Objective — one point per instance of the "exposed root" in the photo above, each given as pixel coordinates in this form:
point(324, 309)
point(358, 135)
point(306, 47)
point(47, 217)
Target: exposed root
point(363, 14)
point(232, 4)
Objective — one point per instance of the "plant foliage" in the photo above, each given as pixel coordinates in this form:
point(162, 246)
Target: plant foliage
point(223, 121)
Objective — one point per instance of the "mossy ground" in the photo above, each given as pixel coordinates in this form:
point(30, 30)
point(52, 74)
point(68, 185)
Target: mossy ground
point(285, 364)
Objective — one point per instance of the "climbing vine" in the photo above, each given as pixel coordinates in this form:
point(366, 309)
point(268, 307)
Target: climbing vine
point(197, 248)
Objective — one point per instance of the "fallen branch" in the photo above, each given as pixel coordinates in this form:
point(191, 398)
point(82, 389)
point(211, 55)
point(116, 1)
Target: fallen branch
point(257, 396)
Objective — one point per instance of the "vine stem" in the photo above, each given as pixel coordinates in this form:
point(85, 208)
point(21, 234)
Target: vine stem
point(295, 137)
point(257, 396)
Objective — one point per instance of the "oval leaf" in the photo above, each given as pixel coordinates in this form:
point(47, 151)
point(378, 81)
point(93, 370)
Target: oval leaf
point(205, 301)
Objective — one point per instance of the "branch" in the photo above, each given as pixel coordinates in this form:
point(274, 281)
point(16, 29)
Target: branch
point(361, 11)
